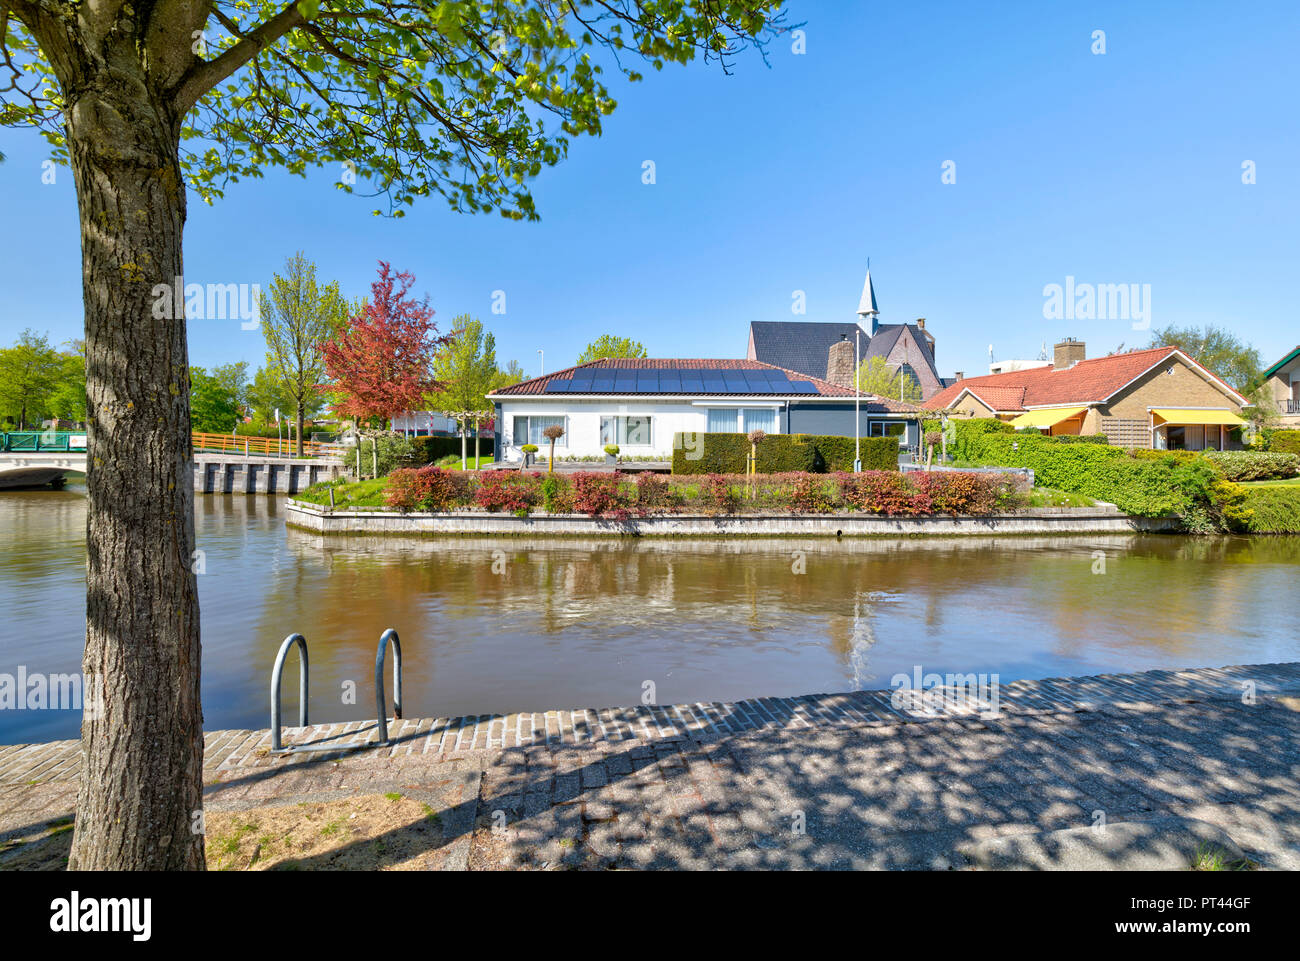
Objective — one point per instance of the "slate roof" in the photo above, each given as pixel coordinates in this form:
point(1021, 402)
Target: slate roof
point(1088, 382)
point(798, 346)
point(537, 386)
point(805, 347)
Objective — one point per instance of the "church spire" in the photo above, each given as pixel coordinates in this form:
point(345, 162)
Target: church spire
point(867, 309)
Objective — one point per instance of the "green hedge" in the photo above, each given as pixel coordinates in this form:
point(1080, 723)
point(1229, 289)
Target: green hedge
point(779, 453)
point(1080, 439)
point(1273, 510)
point(1284, 441)
point(1147, 487)
point(1252, 465)
point(429, 450)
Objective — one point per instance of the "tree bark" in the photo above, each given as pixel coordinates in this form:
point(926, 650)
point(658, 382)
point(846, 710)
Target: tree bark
point(140, 795)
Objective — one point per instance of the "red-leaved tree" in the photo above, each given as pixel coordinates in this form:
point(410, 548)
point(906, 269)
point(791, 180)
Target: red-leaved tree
point(381, 362)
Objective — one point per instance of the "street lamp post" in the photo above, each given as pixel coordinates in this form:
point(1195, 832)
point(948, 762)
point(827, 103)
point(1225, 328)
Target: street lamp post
point(857, 401)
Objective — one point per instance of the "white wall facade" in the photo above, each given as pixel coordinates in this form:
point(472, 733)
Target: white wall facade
point(583, 417)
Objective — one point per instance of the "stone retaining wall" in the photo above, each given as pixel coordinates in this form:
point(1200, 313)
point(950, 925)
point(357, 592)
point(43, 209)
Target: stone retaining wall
point(1045, 520)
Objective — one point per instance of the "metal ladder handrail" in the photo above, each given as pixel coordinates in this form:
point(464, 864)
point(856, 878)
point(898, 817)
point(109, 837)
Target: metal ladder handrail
point(277, 672)
point(388, 635)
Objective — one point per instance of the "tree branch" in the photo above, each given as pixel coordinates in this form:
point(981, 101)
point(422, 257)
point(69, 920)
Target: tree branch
point(206, 74)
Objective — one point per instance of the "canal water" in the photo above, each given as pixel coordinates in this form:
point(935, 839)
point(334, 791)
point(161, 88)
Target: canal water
point(499, 625)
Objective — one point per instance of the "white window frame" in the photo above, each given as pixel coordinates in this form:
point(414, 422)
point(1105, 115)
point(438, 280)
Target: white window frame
point(624, 417)
point(516, 441)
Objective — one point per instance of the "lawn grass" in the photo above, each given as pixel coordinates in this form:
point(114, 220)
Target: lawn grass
point(366, 493)
point(1286, 482)
point(1050, 497)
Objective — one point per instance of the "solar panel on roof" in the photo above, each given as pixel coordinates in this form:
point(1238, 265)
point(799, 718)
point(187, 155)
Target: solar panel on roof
point(692, 382)
point(625, 382)
point(647, 382)
point(734, 379)
point(559, 387)
point(802, 387)
point(602, 385)
point(584, 376)
point(670, 381)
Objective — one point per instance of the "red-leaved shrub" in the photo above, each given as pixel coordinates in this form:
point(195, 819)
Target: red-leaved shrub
point(507, 490)
point(600, 494)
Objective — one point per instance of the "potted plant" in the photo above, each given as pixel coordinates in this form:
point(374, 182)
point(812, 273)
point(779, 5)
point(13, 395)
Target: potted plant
point(529, 450)
point(611, 454)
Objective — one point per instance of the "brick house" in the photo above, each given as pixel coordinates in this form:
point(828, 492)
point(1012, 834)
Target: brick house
point(1158, 398)
point(1283, 380)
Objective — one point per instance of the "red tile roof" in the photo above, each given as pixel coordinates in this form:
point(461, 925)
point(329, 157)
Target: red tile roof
point(1087, 382)
point(538, 385)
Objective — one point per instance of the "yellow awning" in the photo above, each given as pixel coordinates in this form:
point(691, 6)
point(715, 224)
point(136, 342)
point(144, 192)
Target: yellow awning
point(1180, 415)
point(1047, 417)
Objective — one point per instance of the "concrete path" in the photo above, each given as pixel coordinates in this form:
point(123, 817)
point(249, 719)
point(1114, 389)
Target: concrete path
point(832, 781)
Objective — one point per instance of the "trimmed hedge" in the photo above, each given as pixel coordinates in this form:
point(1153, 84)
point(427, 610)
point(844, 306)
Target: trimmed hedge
point(1140, 485)
point(699, 453)
point(1252, 465)
point(1284, 441)
point(429, 450)
point(1272, 510)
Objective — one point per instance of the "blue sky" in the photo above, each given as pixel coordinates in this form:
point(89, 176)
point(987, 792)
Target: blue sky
point(1117, 168)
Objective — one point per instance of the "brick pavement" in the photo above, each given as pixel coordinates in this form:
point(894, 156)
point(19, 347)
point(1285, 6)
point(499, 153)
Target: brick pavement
point(825, 781)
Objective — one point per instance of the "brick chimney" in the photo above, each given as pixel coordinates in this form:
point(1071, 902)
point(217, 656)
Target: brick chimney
point(961, 375)
point(1069, 352)
point(839, 362)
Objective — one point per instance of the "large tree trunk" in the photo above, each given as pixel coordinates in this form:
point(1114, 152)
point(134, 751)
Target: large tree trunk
point(140, 796)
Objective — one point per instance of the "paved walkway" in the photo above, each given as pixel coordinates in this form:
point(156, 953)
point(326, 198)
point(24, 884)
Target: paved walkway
point(829, 781)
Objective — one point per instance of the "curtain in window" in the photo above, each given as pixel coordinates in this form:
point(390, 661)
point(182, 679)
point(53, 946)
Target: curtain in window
point(724, 420)
point(538, 424)
point(764, 420)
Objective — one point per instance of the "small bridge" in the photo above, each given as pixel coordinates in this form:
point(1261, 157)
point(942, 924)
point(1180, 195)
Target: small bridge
point(223, 464)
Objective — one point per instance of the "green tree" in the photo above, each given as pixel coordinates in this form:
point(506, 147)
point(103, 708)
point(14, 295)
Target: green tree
point(29, 373)
point(302, 316)
point(1219, 351)
point(467, 370)
point(268, 393)
point(214, 406)
point(877, 376)
point(607, 345)
point(233, 379)
point(68, 400)
point(147, 101)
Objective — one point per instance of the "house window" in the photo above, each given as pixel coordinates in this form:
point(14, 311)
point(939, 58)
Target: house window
point(763, 419)
point(736, 420)
point(885, 428)
point(724, 420)
point(528, 430)
point(625, 431)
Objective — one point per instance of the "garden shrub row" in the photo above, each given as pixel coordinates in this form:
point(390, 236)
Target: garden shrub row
point(703, 453)
point(1281, 441)
point(1251, 465)
point(1271, 510)
point(1149, 484)
point(616, 495)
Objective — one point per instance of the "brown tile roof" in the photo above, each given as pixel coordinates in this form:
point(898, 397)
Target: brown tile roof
point(1087, 382)
point(824, 388)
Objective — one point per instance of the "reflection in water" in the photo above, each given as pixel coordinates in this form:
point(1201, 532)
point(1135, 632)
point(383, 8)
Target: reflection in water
point(492, 624)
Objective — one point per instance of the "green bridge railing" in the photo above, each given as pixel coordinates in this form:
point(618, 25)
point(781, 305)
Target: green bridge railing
point(40, 440)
